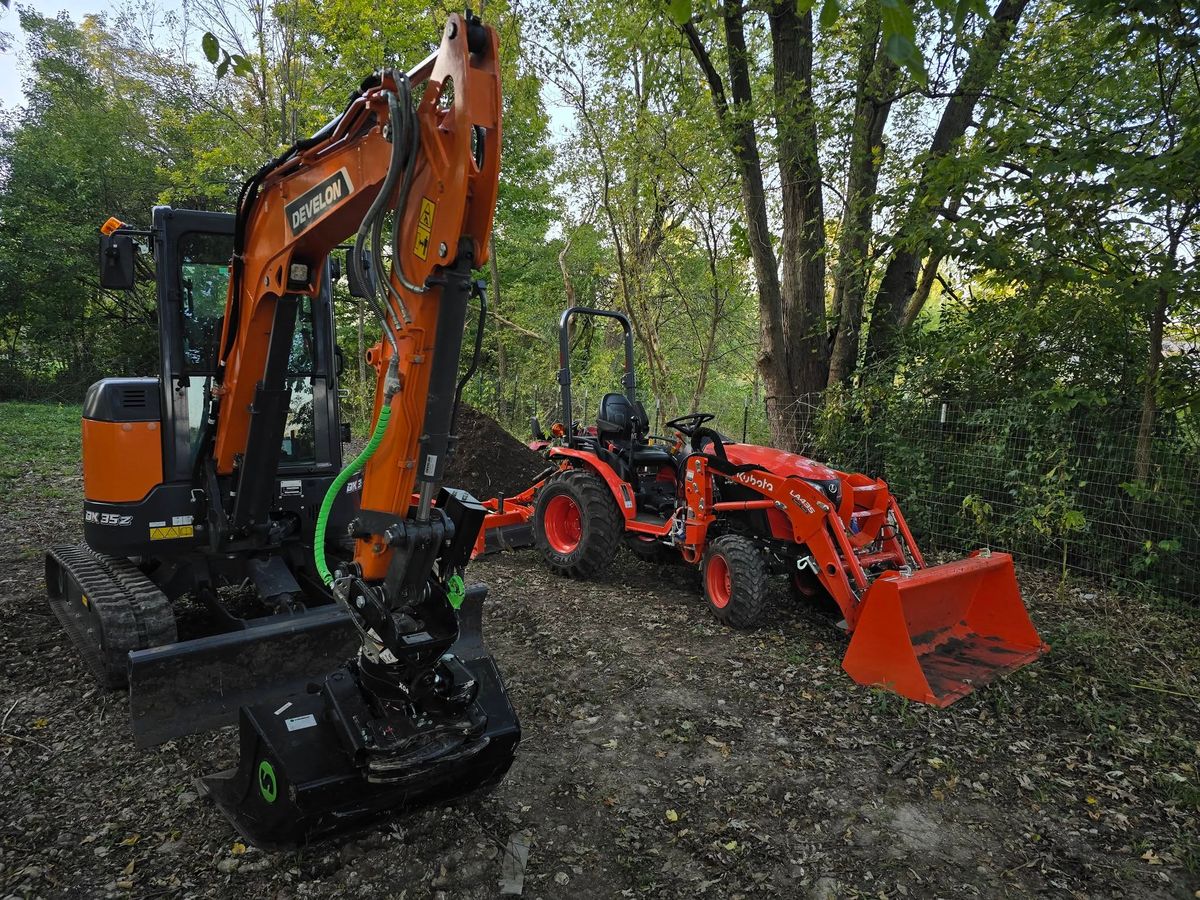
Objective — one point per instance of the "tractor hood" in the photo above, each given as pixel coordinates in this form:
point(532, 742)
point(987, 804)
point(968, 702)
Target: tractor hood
point(779, 462)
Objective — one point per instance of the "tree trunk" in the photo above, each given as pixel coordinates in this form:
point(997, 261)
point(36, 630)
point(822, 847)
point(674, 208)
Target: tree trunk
point(803, 246)
point(1144, 455)
point(909, 245)
point(872, 106)
point(568, 285)
point(737, 123)
point(924, 286)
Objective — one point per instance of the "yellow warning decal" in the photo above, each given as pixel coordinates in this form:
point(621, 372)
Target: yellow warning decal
point(170, 532)
point(83, 598)
point(424, 228)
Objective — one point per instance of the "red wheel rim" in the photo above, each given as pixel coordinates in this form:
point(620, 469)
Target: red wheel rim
point(563, 525)
point(720, 585)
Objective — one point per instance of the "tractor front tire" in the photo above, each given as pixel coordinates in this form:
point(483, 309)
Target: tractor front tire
point(577, 524)
point(736, 582)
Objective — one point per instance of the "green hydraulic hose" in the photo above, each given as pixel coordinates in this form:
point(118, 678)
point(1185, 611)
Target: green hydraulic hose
point(338, 483)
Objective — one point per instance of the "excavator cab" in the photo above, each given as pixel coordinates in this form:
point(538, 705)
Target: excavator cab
point(158, 421)
point(254, 622)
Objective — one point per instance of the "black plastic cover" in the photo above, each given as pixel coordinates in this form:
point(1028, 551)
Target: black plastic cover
point(117, 254)
point(123, 400)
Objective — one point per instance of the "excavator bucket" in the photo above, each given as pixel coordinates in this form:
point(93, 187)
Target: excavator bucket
point(311, 766)
point(937, 634)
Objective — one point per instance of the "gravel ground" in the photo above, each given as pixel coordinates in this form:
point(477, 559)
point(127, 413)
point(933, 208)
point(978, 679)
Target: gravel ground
point(663, 756)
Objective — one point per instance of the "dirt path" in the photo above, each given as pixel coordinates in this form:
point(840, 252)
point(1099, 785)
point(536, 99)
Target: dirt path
point(663, 756)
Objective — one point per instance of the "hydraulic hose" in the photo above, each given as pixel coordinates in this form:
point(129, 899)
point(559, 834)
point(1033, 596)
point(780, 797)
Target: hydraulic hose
point(338, 483)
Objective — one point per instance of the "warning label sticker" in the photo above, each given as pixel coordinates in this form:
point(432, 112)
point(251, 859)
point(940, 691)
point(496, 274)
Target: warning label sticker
point(424, 228)
point(169, 532)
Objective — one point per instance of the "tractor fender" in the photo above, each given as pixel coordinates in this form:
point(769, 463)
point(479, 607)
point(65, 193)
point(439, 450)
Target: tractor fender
point(621, 491)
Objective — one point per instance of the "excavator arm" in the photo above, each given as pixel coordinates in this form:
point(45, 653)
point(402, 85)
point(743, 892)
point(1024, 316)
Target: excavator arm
point(421, 713)
point(435, 166)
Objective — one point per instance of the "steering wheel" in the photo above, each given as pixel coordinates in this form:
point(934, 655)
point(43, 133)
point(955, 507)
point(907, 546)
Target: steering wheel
point(689, 423)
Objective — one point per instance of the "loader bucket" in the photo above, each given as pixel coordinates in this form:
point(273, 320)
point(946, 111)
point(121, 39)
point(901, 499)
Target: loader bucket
point(937, 634)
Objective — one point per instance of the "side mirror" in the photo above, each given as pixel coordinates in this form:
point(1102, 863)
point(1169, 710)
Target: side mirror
point(359, 276)
point(116, 262)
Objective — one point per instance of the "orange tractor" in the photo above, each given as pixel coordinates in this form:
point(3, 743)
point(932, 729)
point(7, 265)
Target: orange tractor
point(745, 514)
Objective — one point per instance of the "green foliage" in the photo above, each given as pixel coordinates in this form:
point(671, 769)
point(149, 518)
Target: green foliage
point(1042, 478)
point(39, 440)
point(1069, 220)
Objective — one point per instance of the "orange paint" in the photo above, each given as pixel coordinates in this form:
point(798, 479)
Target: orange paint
point(122, 461)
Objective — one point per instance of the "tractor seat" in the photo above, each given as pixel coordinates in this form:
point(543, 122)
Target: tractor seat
point(620, 420)
point(625, 424)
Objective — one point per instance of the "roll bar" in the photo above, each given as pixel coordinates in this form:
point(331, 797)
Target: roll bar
point(628, 380)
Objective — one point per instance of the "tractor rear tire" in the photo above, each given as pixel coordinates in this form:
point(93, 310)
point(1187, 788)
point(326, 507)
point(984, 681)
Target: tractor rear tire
point(576, 524)
point(736, 581)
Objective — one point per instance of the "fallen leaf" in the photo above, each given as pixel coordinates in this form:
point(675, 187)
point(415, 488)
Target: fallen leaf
point(731, 845)
point(238, 848)
point(1091, 801)
point(41, 722)
point(128, 870)
point(935, 763)
point(672, 816)
point(131, 840)
point(1151, 857)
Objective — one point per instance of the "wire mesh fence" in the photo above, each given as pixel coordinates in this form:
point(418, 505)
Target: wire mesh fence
point(1058, 485)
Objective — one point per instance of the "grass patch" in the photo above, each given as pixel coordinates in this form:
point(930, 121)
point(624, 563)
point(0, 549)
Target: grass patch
point(38, 439)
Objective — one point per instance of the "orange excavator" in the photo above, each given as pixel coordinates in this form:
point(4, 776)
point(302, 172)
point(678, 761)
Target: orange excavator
point(233, 569)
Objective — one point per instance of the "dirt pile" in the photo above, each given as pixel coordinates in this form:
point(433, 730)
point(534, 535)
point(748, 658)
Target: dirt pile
point(488, 460)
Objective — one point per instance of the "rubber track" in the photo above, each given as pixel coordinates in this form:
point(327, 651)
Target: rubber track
point(748, 570)
point(605, 525)
point(135, 614)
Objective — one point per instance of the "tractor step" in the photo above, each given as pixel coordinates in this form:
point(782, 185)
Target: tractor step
point(108, 608)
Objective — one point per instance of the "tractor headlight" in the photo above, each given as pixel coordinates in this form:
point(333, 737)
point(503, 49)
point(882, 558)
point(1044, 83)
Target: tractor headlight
point(831, 489)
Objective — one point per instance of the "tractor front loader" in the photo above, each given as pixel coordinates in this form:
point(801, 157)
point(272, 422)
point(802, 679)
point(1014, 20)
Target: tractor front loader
point(746, 515)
